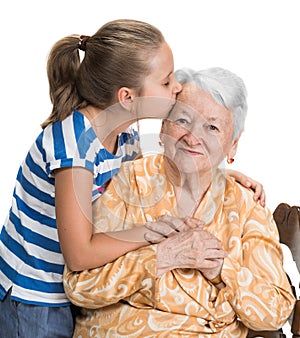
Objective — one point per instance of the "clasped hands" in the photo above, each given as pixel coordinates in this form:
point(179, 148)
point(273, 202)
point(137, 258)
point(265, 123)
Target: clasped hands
point(183, 243)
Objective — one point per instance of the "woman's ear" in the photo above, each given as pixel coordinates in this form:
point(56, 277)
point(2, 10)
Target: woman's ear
point(232, 151)
point(125, 97)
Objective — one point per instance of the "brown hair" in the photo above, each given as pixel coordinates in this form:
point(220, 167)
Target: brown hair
point(117, 55)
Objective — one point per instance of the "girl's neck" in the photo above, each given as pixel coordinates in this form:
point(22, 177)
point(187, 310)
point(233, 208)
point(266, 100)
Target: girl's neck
point(108, 124)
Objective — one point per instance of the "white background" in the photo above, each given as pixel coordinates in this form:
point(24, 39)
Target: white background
point(257, 39)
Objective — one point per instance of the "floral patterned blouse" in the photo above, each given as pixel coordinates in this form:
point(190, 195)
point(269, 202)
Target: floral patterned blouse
point(126, 299)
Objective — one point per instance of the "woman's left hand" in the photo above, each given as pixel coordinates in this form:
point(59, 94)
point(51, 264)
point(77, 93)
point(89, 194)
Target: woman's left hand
point(191, 249)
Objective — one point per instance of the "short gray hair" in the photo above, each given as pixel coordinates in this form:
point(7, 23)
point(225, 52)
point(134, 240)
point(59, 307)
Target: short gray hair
point(226, 88)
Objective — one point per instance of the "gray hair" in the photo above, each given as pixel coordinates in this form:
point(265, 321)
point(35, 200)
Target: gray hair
point(225, 87)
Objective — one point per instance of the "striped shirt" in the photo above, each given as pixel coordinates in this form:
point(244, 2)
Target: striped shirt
point(31, 261)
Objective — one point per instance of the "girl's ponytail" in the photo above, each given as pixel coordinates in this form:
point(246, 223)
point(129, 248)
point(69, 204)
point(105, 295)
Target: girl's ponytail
point(62, 66)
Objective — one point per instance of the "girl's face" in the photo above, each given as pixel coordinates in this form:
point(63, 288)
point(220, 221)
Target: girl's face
point(160, 87)
point(162, 82)
point(198, 133)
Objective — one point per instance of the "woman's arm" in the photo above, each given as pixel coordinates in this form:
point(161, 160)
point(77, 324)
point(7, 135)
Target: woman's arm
point(115, 281)
point(136, 272)
point(256, 284)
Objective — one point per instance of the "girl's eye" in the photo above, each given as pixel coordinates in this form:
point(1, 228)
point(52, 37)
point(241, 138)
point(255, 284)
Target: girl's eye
point(166, 83)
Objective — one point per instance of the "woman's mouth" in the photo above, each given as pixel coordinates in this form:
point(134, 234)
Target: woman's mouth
point(191, 152)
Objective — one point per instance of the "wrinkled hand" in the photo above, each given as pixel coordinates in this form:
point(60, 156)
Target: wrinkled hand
point(167, 226)
point(213, 272)
point(195, 249)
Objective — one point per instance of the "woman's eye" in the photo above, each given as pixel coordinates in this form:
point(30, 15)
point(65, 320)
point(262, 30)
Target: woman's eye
point(181, 121)
point(212, 127)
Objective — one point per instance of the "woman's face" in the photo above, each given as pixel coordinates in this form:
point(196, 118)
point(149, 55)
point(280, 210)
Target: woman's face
point(198, 133)
point(160, 87)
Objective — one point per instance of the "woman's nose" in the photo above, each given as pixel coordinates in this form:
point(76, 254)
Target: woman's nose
point(192, 138)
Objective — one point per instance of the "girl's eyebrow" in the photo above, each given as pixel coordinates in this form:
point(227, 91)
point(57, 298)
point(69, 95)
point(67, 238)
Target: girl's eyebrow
point(167, 76)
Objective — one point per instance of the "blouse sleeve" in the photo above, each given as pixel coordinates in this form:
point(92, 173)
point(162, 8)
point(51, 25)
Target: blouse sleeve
point(127, 275)
point(257, 287)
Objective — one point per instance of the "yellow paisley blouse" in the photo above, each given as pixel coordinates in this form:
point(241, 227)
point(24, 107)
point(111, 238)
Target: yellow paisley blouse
point(125, 299)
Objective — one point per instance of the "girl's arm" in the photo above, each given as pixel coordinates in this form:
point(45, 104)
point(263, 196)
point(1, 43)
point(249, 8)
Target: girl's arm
point(86, 247)
point(81, 248)
point(259, 193)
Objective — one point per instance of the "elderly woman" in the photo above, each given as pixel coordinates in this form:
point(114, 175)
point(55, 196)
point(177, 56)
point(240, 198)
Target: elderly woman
point(212, 278)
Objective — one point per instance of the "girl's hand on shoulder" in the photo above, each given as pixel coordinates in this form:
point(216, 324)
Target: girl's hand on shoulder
point(248, 182)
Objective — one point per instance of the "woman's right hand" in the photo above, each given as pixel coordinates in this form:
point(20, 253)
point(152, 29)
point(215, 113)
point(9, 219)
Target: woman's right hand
point(195, 249)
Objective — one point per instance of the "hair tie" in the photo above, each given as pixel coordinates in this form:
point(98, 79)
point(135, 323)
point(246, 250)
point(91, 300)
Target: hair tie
point(82, 42)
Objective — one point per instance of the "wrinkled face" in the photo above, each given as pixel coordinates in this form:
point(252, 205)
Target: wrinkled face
point(197, 135)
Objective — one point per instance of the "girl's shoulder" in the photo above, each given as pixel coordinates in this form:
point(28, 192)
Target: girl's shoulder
point(73, 128)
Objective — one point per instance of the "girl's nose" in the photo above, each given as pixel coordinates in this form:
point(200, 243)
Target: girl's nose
point(177, 87)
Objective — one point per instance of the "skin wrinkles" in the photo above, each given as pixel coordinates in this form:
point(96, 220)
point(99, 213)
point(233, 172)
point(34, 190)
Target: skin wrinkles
point(201, 131)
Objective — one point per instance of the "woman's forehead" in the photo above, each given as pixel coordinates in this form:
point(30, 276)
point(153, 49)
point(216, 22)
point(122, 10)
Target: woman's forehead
point(194, 96)
point(195, 100)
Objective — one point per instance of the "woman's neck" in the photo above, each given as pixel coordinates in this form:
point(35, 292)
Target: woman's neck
point(189, 189)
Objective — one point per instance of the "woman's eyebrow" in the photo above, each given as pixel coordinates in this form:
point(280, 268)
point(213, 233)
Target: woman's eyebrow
point(219, 120)
point(179, 111)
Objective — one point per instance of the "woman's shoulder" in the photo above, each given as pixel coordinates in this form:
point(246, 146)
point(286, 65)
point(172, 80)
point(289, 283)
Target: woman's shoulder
point(232, 183)
point(241, 195)
point(150, 165)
